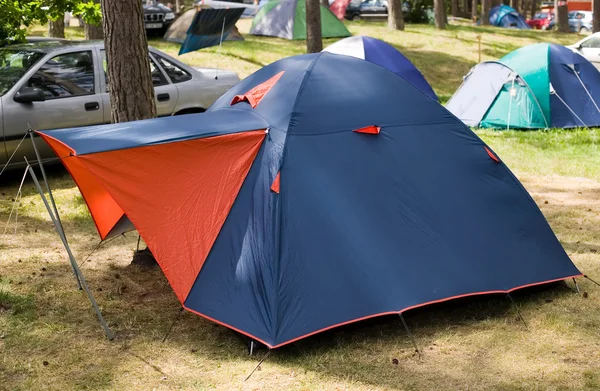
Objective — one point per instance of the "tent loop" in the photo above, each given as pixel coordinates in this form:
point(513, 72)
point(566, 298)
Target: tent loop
point(259, 363)
point(13, 154)
point(584, 87)
point(518, 312)
point(410, 335)
point(17, 200)
point(219, 50)
point(553, 91)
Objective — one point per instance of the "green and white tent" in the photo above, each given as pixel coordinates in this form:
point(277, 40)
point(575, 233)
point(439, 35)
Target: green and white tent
point(537, 86)
point(287, 19)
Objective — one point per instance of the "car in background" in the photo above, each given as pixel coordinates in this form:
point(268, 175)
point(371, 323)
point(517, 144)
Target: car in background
point(370, 9)
point(579, 22)
point(157, 17)
point(541, 20)
point(63, 84)
point(589, 47)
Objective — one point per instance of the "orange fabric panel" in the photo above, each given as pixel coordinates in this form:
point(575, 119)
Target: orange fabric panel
point(178, 195)
point(103, 208)
point(369, 130)
point(275, 185)
point(490, 154)
point(255, 95)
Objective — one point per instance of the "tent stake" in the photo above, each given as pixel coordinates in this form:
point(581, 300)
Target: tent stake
point(518, 312)
point(173, 324)
point(78, 274)
point(591, 280)
point(410, 335)
point(259, 363)
point(576, 285)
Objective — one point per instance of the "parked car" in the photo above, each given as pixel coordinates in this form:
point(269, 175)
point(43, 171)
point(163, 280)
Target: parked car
point(541, 20)
point(370, 9)
point(579, 22)
point(589, 47)
point(157, 17)
point(60, 84)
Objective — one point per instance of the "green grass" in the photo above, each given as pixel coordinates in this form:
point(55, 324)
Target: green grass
point(50, 339)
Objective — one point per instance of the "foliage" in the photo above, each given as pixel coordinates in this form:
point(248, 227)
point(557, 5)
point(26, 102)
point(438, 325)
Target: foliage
point(17, 15)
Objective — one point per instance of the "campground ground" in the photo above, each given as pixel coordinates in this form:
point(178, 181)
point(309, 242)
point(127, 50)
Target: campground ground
point(49, 337)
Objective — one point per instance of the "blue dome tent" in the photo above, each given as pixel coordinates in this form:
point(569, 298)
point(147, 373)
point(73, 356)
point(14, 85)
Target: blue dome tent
point(505, 16)
point(300, 201)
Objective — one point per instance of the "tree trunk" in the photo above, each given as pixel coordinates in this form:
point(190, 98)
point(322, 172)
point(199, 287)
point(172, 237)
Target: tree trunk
point(177, 7)
point(596, 11)
point(562, 17)
point(314, 40)
point(474, 11)
point(454, 8)
point(56, 28)
point(464, 8)
point(440, 14)
point(128, 66)
point(515, 4)
point(325, 3)
point(485, 12)
point(533, 6)
point(496, 3)
point(93, 31)
point(395, 16)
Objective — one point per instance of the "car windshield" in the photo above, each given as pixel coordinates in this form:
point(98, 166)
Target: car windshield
point(13, 65)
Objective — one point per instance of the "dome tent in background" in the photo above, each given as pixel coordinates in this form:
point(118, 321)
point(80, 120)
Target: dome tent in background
point(287, 19)
point(505, 16)
point(300, 215)
point(382, 54)
point(537, 86)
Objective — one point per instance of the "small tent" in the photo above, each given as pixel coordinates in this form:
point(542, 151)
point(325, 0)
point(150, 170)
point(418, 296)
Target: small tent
point(537, 86)
point(287, 19)
point(281, 213)
point(505, 16)
point(383, 54)
point(206, 27)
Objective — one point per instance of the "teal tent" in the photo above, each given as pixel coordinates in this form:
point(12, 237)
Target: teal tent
point(537, 86)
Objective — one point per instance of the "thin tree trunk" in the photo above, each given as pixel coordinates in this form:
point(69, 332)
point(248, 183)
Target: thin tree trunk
point(485, 12)
point(474, 11)
point(56, 28)
point(515, 4)
point(533, 6)
point(395, 16)
point(440, 14)
point(496, 3)
point(454, 8)
point(562, 17)
point(177, 7)
point(596, 11)
point(465, 8)
point(325, 3)
point(129, 79)
point(93, 31)
point(314, 40)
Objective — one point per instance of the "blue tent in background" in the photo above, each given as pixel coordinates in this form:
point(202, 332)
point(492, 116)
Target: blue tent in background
point(505, 16)
point(318, 191)
point(537, 86)
point(385, 55)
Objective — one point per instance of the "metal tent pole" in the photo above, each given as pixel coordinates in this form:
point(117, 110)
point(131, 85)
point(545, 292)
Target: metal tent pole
point(80, 277)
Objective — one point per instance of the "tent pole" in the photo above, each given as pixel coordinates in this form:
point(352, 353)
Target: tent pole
point(576, 285)
point(80, 277)
point(585, 88)
point(518, 312)
point(568, 107)
point(410, 335)
point(37, 155)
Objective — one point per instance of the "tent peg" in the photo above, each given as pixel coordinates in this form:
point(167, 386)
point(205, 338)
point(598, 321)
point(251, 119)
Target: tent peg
point(518, 312)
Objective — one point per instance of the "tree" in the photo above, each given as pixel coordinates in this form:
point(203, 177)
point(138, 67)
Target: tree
point(562, 16)
point(464, 8)
point(596, 11)
point(485, 12)
point(56, 28)
point(128, 66)
point(314, 40)
point(90, 12)
point(395, 16)
point(325, 3)
point(533, 5)
point(474, 12)
point(515, 4)
point(454, 10)
point(439, 10)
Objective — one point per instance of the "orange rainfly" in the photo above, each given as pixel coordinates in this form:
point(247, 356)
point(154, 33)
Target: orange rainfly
point(105, 211)
point(178, 195)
